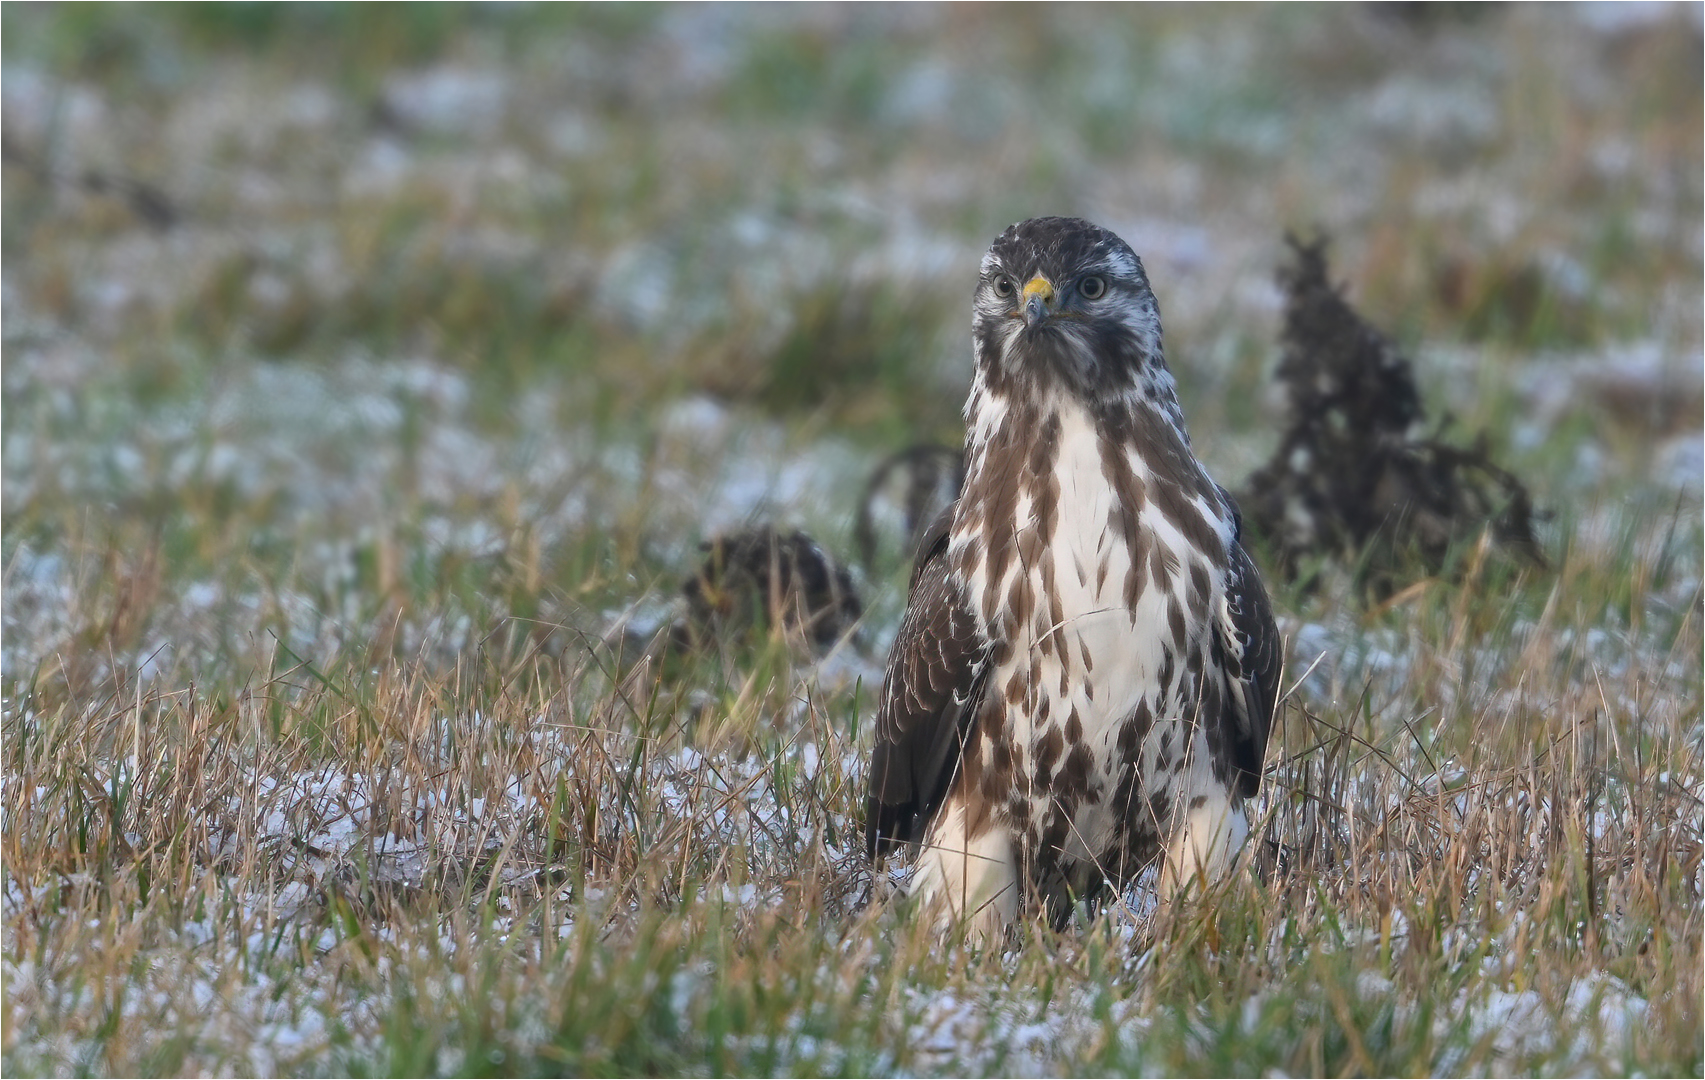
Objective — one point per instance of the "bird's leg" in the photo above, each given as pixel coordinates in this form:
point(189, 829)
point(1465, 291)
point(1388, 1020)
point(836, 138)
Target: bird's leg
point(972, 879)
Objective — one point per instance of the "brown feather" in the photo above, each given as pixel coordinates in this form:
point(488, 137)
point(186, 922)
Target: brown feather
point(1258, 659)
point(929, 699)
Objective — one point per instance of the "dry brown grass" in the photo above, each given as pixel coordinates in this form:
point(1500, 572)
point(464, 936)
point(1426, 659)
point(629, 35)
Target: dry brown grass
point(327, 861)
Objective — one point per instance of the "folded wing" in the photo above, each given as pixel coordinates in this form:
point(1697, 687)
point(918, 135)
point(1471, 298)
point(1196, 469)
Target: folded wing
point(1250, 649)
point(929, 700)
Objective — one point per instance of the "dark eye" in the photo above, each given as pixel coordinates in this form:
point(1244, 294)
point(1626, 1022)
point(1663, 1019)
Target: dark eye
point(1092, 287)
point(1004, 286)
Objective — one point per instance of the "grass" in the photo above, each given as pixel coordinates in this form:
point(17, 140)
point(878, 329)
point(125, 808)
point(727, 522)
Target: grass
point(326, 494)
point(526, 866)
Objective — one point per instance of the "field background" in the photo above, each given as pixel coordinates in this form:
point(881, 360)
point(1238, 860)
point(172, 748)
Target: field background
point(368, 369)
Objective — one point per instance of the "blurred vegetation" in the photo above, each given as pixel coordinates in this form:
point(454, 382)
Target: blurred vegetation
point(152, 43)
point(403, 296)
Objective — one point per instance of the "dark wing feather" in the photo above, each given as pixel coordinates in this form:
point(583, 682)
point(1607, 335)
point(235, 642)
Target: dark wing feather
point(1253, 660)
point(934, 681)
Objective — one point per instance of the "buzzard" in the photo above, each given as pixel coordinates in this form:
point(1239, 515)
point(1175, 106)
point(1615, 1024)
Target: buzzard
point(1087, 669)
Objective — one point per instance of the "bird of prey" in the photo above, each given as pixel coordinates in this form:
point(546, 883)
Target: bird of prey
point(1087, 669)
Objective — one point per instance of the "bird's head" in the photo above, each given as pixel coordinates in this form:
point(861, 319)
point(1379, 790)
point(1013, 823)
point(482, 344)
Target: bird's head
point(1062, 303)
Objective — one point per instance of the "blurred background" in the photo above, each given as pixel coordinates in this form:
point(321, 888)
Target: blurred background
point(357, 324)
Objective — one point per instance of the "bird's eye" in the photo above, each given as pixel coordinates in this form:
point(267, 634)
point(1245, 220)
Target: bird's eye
point(1004, 286)
point(1092, 287)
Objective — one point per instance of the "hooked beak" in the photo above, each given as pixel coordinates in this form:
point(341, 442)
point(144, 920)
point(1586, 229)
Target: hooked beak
point(1038, 300)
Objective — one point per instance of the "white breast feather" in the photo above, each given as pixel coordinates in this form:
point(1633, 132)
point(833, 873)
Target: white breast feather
point(1126, 647)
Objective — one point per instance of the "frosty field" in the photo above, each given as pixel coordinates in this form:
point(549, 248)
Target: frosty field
point(371, 377)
